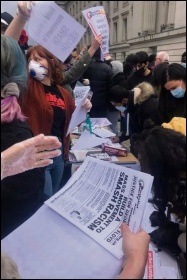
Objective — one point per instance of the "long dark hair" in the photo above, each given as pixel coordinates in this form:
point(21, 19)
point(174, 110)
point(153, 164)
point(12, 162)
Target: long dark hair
point(170, 106)
point(162, 153)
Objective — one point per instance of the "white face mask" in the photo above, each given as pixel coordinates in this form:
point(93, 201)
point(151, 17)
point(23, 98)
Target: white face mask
point(37, 71)
point(121, 108)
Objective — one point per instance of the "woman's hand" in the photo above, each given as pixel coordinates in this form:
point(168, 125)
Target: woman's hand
point(31, 153)
point(87, 105)
point(135, 243)
point(135, 249)
point(24, 9)
point(96, 43)
point(115, 139)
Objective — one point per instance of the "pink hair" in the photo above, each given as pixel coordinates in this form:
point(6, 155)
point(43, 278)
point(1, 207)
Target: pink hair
point(10, 110)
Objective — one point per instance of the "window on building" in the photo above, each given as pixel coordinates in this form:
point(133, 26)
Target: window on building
point(115, 32)
point(124, 29)
point(80, 19)
point(73, 10)
point(77, 5)
point(152, 50)
point(115, 3)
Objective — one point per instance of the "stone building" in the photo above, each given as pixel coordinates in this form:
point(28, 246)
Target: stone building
point(150, 26)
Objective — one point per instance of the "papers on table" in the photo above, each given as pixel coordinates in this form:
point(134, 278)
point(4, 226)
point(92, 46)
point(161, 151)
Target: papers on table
point(104, 133)
point(99, 197)
point(99, 122)
point(88, 140)
point(156, 269)
point(54, 29)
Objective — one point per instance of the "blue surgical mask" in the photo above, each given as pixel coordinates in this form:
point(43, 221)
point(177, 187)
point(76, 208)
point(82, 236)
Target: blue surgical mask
point(121, 108)
point(178, 92)
point(183, 64)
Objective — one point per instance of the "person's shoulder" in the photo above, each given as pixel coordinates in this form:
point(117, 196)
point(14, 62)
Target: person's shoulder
point(16, 126)
point(14, 132)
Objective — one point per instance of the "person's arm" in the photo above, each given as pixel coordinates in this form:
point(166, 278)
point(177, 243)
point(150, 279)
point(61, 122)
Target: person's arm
point(32, 153)
point(77, 70)
point(135, 249)
point(20, 19)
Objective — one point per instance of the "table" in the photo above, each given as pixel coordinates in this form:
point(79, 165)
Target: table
point(129, 161)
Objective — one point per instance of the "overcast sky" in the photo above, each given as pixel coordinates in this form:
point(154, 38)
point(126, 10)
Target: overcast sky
point(11, 7)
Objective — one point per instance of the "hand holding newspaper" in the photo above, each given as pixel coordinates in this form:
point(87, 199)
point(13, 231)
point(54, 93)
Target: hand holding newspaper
point(79, 115)
point(99, 197)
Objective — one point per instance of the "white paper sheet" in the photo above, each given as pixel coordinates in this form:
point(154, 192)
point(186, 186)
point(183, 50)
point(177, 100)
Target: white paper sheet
point(54, 29)
point(99, 197)
point(99, 122)
point(156, 270)
point(79, 93)
point(104, 133)
point(79, 115)
point(47, 246)
point(96, 18)
point(88, 140)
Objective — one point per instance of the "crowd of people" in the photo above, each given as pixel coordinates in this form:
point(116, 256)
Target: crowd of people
point(148, 94)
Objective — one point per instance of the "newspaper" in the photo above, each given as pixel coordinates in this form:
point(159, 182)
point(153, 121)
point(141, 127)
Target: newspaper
point(99, 197)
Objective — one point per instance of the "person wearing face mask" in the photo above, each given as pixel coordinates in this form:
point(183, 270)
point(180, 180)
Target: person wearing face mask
point(46, 104)
point(141, 103)
point(142, 72)
point(172, 94)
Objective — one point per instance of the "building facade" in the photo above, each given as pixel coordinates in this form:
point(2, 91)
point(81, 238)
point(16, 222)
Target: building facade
point(150, 26)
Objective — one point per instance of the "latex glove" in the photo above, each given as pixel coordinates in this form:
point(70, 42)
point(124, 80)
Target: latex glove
point(166, 239)
point(31, 153)
point(87, 105)
point(24, 9)
point(115, 139)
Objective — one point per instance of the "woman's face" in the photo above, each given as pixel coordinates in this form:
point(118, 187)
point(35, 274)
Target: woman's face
point(42, 61)
point(171, 85)
point(35, 56)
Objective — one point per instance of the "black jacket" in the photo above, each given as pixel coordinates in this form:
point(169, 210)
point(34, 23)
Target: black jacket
point(142, 104)
point(21, 194)
point(100, 77)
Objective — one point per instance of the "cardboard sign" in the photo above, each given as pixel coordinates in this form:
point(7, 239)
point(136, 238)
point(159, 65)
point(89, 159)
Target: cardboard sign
point(96, 19)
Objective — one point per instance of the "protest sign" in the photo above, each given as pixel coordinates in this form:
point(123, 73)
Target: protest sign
point(99, 197)
point(54, 29)
point(96, 19)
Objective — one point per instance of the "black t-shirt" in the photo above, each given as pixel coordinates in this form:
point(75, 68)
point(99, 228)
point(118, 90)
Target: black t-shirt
point(55, 99)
